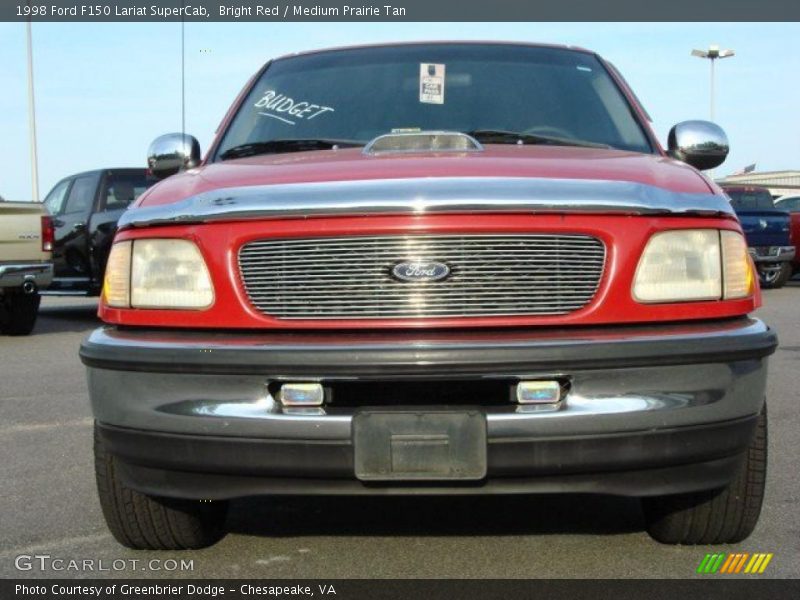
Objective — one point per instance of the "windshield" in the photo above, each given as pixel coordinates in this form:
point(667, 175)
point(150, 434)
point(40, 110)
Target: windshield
point(354, 95)
point(750, 199)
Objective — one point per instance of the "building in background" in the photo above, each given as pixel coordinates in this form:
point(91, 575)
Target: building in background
point(779, 183)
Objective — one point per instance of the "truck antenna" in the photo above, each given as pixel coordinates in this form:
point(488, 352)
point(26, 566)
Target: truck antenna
point(183, 76)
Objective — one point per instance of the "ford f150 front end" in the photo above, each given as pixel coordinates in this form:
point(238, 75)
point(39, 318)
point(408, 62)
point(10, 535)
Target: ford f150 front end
point(449, 268)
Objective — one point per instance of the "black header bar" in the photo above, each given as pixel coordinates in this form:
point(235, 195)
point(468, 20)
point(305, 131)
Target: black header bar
point(402, 589)
point(273, 11)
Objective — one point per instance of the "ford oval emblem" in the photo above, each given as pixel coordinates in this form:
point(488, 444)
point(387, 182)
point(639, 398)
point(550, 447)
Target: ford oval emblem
point(420, 271)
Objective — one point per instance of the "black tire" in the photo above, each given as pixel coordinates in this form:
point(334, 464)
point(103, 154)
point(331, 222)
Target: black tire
point(775, 281)
point(724, 516)
point(144, 522)
point(20, 312)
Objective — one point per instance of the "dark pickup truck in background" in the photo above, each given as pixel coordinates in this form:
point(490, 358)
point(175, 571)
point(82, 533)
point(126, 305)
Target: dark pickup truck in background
point(768, 233)
point(85, 208)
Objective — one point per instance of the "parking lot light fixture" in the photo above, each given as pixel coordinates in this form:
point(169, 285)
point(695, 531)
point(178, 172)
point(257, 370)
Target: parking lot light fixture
point(712, 54)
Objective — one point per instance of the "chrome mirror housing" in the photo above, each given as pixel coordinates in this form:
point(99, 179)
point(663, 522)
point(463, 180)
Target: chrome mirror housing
point(702, 144)
point(171, 153)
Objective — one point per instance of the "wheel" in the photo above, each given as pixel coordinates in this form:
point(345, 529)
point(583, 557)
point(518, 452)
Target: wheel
point(772, 279)
point(724, 516)
point(20, 312)
point(144, 522)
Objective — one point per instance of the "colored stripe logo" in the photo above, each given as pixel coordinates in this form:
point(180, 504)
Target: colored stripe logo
point(737, 562)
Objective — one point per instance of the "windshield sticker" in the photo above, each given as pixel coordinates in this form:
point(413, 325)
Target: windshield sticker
point(431, 83)
point(286, 109)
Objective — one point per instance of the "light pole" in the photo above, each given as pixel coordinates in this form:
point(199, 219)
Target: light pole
point(32, 121)
point(712, 54)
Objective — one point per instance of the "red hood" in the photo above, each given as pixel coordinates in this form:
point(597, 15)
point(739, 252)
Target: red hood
point(350, 164)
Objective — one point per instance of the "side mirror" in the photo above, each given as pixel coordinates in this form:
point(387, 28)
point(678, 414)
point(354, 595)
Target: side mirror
point(702, 144)
point(171, 153)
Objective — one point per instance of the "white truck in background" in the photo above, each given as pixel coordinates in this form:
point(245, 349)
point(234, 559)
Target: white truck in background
point(26, 241)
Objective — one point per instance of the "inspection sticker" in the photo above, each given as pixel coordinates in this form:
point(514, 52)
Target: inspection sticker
point(431, 83)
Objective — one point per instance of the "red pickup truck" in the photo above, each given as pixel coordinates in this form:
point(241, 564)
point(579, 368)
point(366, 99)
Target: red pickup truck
point(434, 268)
point(791, 204)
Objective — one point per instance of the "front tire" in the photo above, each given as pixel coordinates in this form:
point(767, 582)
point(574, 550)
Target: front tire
point(724, 516)
point(145, 522)
point(20, 311)
point(774, 279)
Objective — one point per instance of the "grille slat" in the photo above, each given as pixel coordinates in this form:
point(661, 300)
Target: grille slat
point(378, 263)
point(529, 254)
point(490, 275)
point(486, 251)
point(370, 281)
point(404, 242)
point(448, 295)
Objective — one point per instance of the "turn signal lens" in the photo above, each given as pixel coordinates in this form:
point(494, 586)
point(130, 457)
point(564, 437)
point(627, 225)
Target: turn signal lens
point(116, 286)
point(680, 266)
point(169, 273)
point(738, 274)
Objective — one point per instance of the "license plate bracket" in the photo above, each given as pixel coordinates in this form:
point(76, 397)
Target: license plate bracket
point(419, 445)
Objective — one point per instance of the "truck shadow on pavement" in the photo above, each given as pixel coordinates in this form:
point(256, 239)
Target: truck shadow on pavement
point(61, 319)
point(290, 516)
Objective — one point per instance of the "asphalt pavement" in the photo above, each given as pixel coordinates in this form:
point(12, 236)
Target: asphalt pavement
point(48, 504)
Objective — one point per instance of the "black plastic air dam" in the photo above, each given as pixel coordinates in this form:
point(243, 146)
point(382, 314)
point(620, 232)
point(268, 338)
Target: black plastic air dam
point(640, 463)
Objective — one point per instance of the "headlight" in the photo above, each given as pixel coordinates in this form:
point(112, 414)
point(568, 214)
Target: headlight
point(692, 265)
point(157, 273)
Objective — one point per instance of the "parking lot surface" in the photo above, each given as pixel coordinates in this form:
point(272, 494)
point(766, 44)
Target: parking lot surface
point(48, 504)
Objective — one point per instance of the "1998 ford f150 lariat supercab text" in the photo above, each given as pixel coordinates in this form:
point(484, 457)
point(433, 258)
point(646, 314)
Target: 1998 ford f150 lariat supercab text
point(436, 268)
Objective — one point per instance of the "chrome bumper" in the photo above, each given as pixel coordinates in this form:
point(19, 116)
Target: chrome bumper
point(650, 409)
point(772, 254)
point(625, 379)
point(17, 274)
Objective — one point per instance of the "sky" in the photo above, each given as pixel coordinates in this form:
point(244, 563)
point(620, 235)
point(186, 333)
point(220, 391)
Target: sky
point(104, 91)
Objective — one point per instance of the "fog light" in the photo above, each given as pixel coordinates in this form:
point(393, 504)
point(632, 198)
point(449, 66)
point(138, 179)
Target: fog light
point(301, 394)
point(538, 392)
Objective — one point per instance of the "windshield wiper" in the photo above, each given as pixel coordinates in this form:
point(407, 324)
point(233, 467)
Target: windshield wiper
point(288, 145)
point(499, 136)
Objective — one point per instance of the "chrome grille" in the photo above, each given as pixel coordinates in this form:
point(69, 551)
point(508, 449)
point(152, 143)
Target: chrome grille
point(490, 275)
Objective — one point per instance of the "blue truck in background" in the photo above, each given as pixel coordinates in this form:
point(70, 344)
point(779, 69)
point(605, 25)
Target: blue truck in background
point(768, 233)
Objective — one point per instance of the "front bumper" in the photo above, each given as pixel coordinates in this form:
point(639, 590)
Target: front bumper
point(650, 409)
point(16, 274)
point(772, 254)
